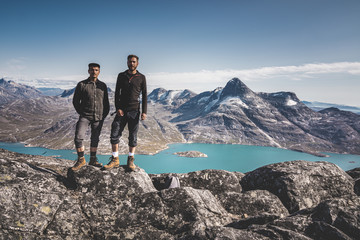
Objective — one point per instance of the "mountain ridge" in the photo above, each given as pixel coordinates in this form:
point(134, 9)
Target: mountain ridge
point(10, 91)
point(233, 114)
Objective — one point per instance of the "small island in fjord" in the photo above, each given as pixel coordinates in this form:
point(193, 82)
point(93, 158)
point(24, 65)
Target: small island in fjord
point(192, 154)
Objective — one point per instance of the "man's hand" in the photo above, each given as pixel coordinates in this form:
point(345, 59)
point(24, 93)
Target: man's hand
point(143, 116)
point(120, 113)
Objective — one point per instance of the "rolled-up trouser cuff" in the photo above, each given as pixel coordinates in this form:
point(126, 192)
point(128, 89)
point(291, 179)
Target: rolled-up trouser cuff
point(81, 128)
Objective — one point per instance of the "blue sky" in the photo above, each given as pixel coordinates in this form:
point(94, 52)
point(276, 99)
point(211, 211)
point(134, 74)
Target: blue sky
point(308, 47)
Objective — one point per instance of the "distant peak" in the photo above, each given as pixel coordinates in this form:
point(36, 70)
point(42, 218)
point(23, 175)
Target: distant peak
point(235, 87)
point(68, 92)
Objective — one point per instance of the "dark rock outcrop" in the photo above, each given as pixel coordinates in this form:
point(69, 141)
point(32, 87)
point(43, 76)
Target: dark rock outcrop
point(355, 174)
point(300, 184)
point(41, 199)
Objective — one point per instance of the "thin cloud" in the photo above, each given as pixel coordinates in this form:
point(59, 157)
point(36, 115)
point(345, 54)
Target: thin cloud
point(17, 64)
point(203, 79)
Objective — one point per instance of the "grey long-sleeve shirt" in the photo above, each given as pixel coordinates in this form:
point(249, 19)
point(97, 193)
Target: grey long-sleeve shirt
point(91, 100)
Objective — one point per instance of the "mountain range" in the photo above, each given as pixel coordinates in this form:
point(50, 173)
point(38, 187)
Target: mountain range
point(233, 114)
point(10, 91)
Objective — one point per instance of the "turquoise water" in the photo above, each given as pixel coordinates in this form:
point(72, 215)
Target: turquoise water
point(239, 158)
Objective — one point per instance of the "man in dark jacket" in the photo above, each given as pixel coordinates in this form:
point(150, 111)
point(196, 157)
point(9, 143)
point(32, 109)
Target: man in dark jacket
point(91, 102)
point(129, 85)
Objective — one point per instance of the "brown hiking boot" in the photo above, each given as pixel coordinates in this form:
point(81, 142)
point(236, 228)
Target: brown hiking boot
point(79, 164)
point(130, 163)
point(94, 162)
point(114, 162)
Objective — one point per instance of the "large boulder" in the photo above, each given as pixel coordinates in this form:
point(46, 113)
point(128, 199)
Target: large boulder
point(30, 195)
point(41, 199)
point(116, 181)
point(253, 203)
point(355, 174)
point(337, 218)
point(216, 181)
point(300, 184)
point(170, 212)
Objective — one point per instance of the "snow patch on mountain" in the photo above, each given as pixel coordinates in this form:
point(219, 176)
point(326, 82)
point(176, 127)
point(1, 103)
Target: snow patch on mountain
point(234, 101)
point(291, 102)
point(210, 105)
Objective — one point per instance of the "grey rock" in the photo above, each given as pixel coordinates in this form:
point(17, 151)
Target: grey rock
point(30, 193)
point(342, 214)
point(337, 218)
point(253, 203)
point(354, 173)
point(223, 233)
point(169, 212)
point(41, 199)
point(274, 232)
point(216, 181)
point(300, 184)
point(116, 181)
point(357, 187)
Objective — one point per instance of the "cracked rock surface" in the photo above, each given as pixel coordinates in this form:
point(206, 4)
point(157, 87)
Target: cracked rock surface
point(41, 199)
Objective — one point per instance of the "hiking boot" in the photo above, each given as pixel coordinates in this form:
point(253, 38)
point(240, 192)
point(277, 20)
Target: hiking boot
point(114, 162)
point(94, 162)
point(130, 163)
point(79, 164)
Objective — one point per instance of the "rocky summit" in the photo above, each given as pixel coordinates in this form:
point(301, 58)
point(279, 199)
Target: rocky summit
point(41, 198)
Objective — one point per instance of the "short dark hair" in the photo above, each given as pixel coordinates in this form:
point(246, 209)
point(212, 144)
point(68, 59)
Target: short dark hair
point(131, 56)
point(94, 65)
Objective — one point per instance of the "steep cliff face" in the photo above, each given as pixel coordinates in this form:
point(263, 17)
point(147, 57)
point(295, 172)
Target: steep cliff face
point(41, 199)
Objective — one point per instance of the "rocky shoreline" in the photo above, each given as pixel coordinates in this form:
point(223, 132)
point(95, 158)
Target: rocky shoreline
point(41, 199)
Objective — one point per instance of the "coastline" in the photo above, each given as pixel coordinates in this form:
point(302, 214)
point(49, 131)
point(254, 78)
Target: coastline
point(140, 151)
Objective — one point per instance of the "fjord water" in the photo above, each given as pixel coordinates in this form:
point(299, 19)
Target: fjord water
point(239, 158)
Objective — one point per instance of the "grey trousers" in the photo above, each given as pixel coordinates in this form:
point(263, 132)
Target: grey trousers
point(81, 128)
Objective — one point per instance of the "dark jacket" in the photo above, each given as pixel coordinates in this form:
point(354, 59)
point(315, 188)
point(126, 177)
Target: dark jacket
point(91, 100)
point(127, 92)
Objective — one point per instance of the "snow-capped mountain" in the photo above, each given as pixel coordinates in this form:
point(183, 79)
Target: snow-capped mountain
point(233, 114)
point(10, 91)
point(172, 98)
point(236, 114)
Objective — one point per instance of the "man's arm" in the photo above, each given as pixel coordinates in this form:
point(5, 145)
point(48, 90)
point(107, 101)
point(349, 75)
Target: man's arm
point(144, 99)
point(118, 89)
point(77, 99)
point(106, 103)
